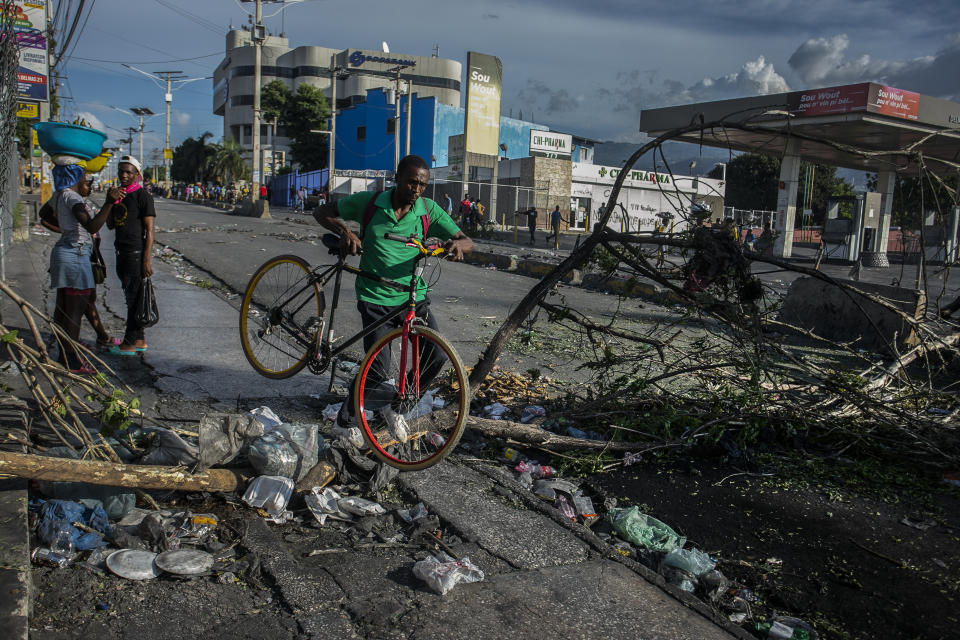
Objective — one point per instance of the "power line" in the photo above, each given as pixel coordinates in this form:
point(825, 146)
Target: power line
point(209, 55)
point(200, 20)
point(82, 29)
point(73, 28)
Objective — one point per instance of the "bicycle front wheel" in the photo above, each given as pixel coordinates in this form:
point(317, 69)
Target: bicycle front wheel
point(412, 398)
point(281, 313)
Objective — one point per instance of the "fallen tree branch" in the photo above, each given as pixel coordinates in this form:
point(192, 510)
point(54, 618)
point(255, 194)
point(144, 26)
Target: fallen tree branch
point(541, 438)
point(117, 475)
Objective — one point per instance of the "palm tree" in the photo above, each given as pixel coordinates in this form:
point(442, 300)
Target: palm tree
point(189, 158)
point(226, 161)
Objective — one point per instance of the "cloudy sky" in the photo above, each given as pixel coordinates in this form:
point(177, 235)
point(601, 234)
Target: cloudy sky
point(582, 67)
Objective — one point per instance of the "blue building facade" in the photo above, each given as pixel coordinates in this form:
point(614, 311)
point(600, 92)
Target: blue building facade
point(365, 138)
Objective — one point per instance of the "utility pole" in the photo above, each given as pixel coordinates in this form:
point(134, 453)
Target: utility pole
point(140, 112)
point(396, 124)
point(334, 72)
point(258, 35)
point(409, 100)
point(168, 76)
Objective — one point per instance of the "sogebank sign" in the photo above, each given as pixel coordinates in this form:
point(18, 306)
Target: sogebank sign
point(357, 58)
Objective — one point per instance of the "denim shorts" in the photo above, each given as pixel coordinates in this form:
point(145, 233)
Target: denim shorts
point(70, 266)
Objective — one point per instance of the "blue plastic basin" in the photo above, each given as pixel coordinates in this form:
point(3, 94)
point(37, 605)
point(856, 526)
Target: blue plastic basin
point(61, 138)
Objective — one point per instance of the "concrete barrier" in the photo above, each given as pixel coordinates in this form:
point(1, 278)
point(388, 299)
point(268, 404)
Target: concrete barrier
point(835, 314)
point(255, 209)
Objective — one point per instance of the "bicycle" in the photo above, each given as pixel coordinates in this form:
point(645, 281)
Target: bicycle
point(283, 330)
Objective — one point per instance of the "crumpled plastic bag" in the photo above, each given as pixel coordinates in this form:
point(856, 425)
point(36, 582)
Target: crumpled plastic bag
point(324, 504)
point(289, 450)
point(224, 435)
point(443, 573)
point(643, 530)
point(266, 417)
point(59, 515)
point(684, 567)
point(169, 450)
point(532, 411)
point(270, 493)
point(360, 506)
point(495, 411)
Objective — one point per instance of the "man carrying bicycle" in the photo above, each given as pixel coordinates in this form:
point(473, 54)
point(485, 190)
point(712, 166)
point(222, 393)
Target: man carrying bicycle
point(400, 211)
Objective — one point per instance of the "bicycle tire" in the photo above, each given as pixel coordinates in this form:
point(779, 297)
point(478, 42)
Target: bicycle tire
point(289, 346)
point(421, 449)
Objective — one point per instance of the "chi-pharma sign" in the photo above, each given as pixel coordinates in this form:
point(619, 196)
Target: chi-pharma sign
point(484, 82)
point(549, 144)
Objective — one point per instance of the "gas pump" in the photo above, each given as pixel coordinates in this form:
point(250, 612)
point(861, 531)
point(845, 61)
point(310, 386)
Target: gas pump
point(854, 238)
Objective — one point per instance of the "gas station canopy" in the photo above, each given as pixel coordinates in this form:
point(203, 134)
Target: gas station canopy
point(824, 122)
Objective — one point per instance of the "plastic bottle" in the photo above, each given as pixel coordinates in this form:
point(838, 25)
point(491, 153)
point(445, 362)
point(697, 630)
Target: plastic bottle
point(436, 439)
point(542, 471)
point(62, 543)
point(564, 506)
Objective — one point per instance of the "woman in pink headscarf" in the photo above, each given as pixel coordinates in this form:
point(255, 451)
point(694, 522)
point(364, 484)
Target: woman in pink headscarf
point(132, 221)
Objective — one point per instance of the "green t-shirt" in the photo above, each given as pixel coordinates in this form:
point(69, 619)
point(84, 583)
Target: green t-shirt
point(388, 258)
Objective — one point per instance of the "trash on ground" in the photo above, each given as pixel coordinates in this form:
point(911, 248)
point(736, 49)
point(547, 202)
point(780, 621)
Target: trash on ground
point(56, 519)
point(184, 562)
point(270, 493)
point(134, 564)
point(360, 506)
point(413, 514)
point(643, 530)
point(683, 567)
point(267, 418)
point(289, 450)
point(918, 523)
point(786, 628)
point(532, 411)
point(222, 436)
point(325, 504)
point(495, 411)
point(565, 508)
point(442, 573)
point(167, 449)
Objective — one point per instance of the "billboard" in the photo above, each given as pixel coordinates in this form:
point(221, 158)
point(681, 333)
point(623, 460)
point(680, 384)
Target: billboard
point(29, 23)
point(894, 102)
point(866, 96)
point(484, 81)
point(547, 144)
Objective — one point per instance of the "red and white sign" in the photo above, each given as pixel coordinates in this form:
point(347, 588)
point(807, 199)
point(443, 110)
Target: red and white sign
point(832, 101)
point(894, 102)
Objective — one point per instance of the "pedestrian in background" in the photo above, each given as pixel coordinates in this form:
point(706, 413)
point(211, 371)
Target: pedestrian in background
point(133, 239)
point(532, 224)
point(555, 218)
point(70, 271)
point(449, 206)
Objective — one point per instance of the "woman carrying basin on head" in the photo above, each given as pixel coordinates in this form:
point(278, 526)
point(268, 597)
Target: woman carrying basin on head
point(70, 271)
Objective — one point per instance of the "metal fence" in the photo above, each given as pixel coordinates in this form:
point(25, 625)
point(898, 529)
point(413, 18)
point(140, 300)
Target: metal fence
point(9, 168)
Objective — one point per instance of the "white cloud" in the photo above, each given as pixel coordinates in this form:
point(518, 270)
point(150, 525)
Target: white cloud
point(92, 120)
point(822, 62)
point(182, 118)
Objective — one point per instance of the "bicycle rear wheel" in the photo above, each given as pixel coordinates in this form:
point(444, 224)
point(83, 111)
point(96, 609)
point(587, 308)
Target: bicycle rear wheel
point(413, 387)
point(280, 316)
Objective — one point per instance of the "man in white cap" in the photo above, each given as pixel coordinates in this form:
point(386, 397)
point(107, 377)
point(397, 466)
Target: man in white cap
point(134, 230)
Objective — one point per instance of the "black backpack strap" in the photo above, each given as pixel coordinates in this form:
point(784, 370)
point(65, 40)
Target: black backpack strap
point(368, 213)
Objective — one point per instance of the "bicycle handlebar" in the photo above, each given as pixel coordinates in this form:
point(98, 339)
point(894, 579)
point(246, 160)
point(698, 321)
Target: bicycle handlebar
point(425, 251)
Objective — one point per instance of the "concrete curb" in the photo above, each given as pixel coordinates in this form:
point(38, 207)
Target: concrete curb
point(15, 575)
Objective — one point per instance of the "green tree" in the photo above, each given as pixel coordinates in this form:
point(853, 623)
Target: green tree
point(189, 159)
point(274, 101)
point(226, 164)
point(306, 110)
point(912, 196)
point(753, 179)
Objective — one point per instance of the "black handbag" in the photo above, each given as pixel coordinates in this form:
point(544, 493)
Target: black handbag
point(147, 313)
point(97, 264)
